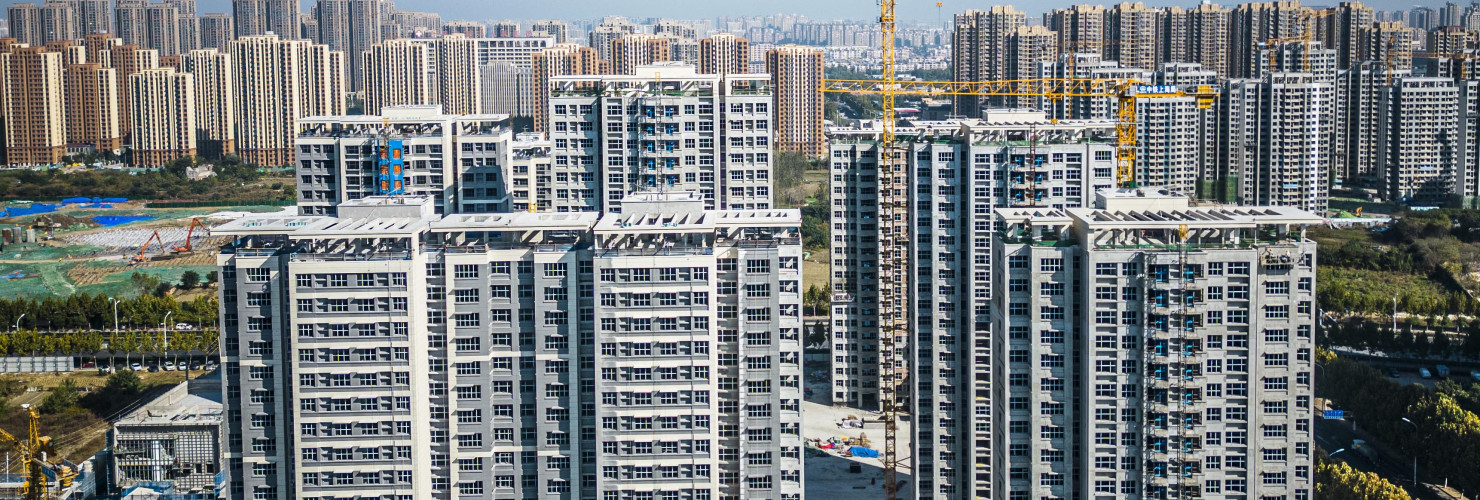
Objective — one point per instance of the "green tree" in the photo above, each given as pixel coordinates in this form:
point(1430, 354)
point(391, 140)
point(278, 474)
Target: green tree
point(1335, 480)
point(211, 277)
point(63, 397)
point(144, 283)
point(190, 279)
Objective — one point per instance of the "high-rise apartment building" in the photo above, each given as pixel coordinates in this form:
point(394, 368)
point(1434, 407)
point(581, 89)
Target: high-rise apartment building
point(724, 53)
point(351, 26)
point(162, 21)
point(1253, 24)
point(505, 28)
point(1343, 29)
point(35, 112)
point(668, 129)
point(470, 29)
point(278, 82)
point(639, 49)
point(1277, 139)
point(99, 48)
point(1173, 35)
point(610, 29)
point(459, 88)
point(1357, 118)
point(397, 73)
point(559, 60)
point(1081, 29)
point(1450, 40)
point(24, 20)
point(163, 116)
point(463, 386)
point(216, 31)
point(459, 162)
point(1133, 28)
point(979, 51)
point(92, 16)
point(1028, 48)
point(1390, 41)
point(506, 89)
point(1145, 348)
point(215, 115)
point(92, 106)
point(189, 25)
point(259, 17)
point(59, 21)
point(1208, 37)
point(964, 169)
point(128, 59)
point(130, 22)
point(796, 86)
point(519, 51)
point(1420, 138)
point(552, 28)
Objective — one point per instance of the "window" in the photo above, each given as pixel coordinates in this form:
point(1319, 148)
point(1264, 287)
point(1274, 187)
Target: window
point(1049, 265)
point(465, 271)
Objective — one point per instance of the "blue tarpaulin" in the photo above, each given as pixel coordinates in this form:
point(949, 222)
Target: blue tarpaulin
point(77, 200)
point(114, 220)
point(859, 451)
point(35, 208)
point(115, 200)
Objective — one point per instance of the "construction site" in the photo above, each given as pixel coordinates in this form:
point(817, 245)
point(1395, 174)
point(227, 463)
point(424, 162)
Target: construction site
point(58, 250)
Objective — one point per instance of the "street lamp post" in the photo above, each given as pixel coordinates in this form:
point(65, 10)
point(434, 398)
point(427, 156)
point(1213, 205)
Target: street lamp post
point(1395, 314)
point(1415, 453)
point(115, 313)
point(17, 325)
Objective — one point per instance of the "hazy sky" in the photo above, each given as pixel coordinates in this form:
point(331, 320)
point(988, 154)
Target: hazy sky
point(909, 10)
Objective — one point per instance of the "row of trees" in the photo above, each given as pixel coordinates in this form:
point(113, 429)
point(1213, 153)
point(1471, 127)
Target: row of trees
point(84, 311)
point(1380, 337)
point(126, 344)
point(1444, 436)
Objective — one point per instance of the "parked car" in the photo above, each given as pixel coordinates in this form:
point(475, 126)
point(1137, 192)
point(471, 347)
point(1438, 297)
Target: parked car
point(136, 367)
point(1424, 372)
point(1442, 371)
point(1475, 374)
point(1392, 372)
point(184, 326)
point(168, 366)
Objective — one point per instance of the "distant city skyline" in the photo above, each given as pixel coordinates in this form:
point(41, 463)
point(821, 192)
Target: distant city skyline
point(908, 11)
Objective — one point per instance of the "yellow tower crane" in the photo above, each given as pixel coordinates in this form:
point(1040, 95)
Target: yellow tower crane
point(894, 189)
point(40, 453)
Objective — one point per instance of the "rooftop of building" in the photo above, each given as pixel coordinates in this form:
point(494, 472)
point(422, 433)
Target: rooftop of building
point(683, 211)
point(195, 402)
point(407, 114)
point(663, 71)
point(517, 220)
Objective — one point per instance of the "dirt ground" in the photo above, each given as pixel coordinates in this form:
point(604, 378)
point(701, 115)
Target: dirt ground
point(77, 433)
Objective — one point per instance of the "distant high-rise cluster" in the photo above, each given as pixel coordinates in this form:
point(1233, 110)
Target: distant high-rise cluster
point(1304, 94)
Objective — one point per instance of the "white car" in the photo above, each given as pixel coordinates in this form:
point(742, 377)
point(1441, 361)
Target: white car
point(167, 366)
point(184, 326)
point(137, 367)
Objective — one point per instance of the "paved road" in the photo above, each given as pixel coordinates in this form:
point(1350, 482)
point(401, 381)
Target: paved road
point(1334, 435)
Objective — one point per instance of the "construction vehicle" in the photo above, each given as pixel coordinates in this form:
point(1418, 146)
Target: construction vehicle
point(44, 223)
point(152, 239)
point(41, 455)
point(189, 234)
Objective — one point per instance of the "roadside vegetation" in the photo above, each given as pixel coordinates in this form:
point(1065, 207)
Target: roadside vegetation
point(1445, 435)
